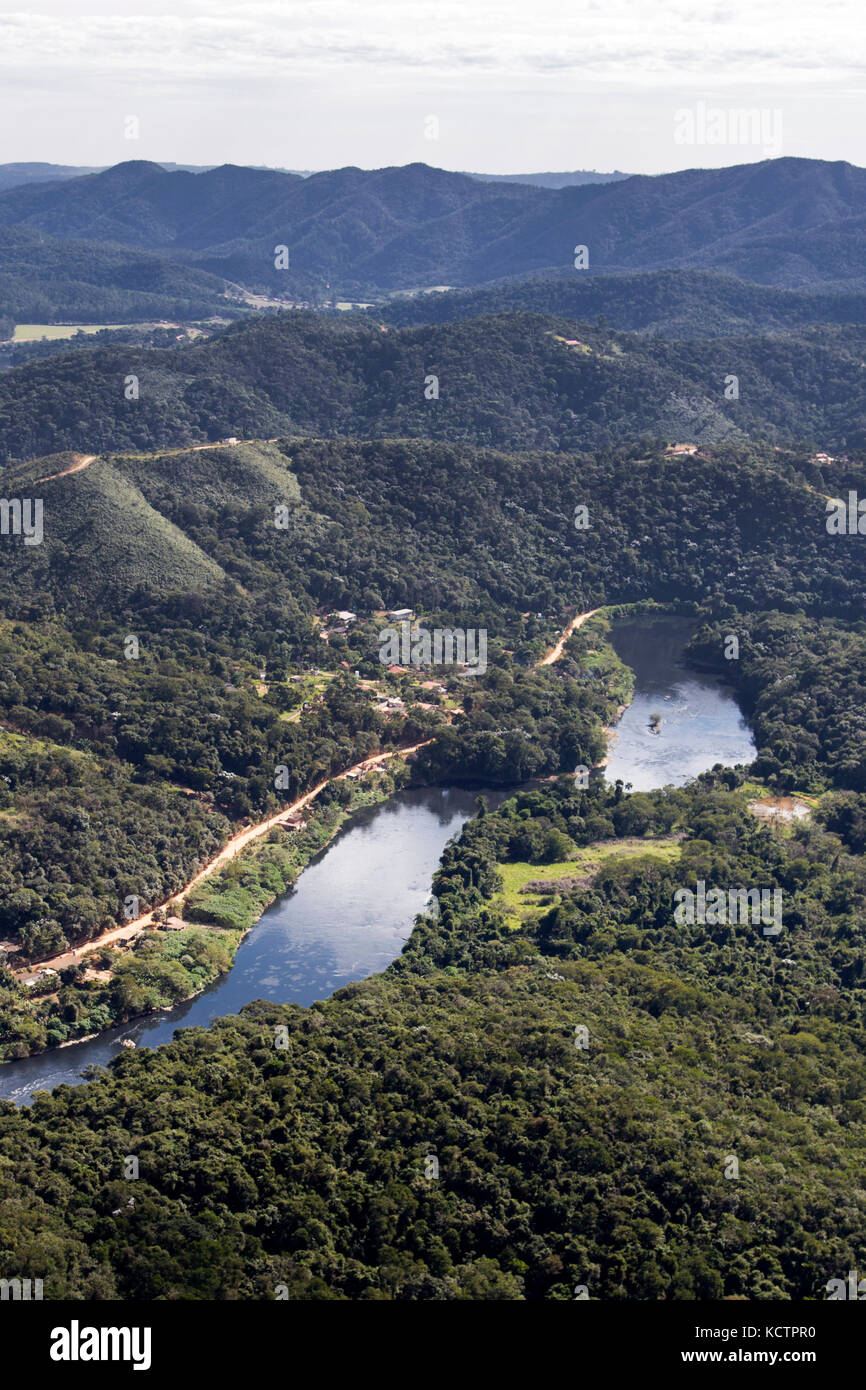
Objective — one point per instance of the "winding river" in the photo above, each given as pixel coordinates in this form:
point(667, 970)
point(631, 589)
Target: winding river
point(353, 907)
point(348, 917)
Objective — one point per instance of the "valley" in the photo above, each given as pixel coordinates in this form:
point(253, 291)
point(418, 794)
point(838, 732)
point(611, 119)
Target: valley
point(344, 901)
point(365, 947)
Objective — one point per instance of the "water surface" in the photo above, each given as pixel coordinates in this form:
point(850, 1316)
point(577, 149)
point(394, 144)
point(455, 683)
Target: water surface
point(348, 917)
point(701, 722)
point(354, 906)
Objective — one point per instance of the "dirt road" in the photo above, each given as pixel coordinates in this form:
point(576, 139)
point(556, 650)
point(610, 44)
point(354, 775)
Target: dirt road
point(81, 461)
point(556, 652)
point(233, 847)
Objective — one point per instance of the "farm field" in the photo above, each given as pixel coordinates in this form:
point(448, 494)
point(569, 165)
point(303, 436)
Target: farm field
point(30, 332)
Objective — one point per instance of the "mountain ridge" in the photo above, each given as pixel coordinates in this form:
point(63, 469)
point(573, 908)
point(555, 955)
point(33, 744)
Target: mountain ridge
point(791, 222)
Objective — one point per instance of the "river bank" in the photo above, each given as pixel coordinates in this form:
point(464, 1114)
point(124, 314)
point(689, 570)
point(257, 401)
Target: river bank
point(239, 841)
point(187, 960)
point(221, 903)
point(348, 915)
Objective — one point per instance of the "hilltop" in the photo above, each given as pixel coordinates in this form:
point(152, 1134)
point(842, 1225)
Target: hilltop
point(667, 303)
point(514, 381)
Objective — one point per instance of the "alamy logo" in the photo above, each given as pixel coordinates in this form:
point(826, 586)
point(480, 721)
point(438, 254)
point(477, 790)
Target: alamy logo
point(22, 516)
point(445, 646)
point(21, 1290)
point(846, 519)
point(850, 1288)
point(717, 125)
point(77, 1343)
point(748, 906)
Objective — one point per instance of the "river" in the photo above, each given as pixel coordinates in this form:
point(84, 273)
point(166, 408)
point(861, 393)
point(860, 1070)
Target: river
point(347, 918)
point(353, 907)
point(701, 722)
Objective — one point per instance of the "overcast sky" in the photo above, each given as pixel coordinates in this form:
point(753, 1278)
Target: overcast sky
point(501, 86)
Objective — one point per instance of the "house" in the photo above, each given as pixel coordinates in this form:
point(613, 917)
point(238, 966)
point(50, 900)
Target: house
point(400, 615)
point(41, 976)
point(232, 439)
point(393, 705)
point(345, 616)
point(174, 924)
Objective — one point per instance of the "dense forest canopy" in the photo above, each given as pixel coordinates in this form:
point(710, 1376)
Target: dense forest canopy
point(507, 380)
point(600, 1165)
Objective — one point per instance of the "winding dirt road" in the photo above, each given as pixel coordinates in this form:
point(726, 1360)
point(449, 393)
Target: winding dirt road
point(238, 842)
point(556, 652)
point(81, 461)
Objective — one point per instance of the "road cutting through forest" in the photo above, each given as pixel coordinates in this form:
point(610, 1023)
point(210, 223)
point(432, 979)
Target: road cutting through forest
point(129, 930)
point(556, 652)
point(82, 461)
point(238, 842)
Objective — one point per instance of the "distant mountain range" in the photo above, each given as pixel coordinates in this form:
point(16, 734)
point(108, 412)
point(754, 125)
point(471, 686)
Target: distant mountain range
point(552, 180)
point(355, 234)
point(14, 175)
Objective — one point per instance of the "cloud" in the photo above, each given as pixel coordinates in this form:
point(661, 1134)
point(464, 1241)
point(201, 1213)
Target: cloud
point(616, 42)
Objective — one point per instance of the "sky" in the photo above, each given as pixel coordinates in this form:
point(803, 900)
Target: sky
point(493, 86)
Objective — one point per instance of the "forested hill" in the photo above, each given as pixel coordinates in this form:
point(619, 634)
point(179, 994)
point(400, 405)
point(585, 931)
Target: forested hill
point(45, 280)
point(304, 1168)
point(510, 381)
point(380, 524)
point(100, 753)
point(785, 222)
point(673, 303)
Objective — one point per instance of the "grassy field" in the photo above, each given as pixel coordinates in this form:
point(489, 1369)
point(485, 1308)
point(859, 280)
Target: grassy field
point(103, 508)
point(519, 906)
point(28, 332)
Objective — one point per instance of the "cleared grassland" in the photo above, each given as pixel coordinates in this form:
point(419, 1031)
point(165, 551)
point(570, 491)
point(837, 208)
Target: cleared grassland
point(28, 332)
point(518, 906)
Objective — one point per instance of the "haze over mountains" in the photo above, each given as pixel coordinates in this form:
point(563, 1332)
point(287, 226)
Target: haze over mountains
point(14, 175)
point(554, 180)
point(351, 233)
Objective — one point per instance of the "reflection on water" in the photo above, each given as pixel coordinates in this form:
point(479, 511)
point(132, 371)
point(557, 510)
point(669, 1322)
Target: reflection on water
point(701, 722)
point(353, 908)
point(348, 917)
